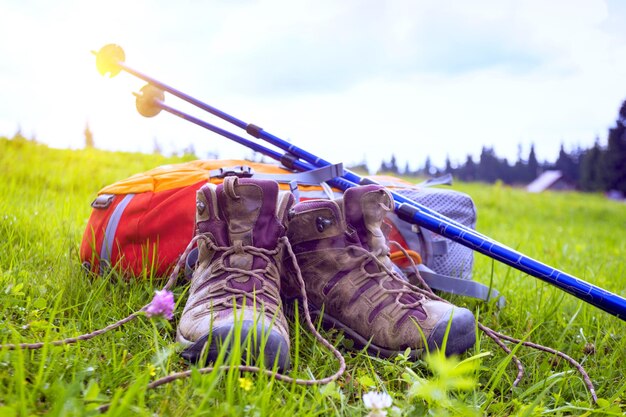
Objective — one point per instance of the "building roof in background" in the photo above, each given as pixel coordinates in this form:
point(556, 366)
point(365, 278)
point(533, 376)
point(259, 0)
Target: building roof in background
point(544, 181)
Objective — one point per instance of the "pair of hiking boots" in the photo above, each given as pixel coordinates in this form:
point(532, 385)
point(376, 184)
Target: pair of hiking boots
point(246, 272)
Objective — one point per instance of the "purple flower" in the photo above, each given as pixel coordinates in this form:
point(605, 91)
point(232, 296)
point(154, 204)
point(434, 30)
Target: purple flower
point(161, 305)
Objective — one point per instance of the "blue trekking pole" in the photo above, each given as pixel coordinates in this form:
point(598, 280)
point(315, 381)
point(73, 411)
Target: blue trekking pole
point(110, 59)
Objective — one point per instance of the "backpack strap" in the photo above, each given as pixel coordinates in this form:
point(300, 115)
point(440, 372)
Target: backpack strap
point(111, 229)
point(318, 176)
point(312, 177)
point(445, 179)
point(464, 287)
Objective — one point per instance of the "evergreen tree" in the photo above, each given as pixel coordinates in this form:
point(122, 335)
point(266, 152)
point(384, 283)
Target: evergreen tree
point(505, 171)
point(532, 167)
point(467, 171)
point(89, 143)
point(488, 166)
point(216, 155)
point(428, 168)
point(567, 165)
point(591, 175)
point(383, 167)
point(360, 167)
point(407, 169)
point(615, 157)
point(518, 171)
point(156, 147)
point(449, 169)
point(190, 151)
point(393, 165)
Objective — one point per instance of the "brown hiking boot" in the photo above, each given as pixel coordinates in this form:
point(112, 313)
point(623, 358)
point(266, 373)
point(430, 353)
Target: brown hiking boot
point(343, 255)
point(237, 279)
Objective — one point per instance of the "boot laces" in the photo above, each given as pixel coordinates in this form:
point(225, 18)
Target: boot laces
point(385, 274)
point(221, 295)
point(283, 241)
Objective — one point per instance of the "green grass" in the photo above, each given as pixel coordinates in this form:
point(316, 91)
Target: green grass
point(44, 295)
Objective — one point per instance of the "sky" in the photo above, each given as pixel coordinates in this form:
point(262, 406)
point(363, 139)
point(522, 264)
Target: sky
point(348, 80)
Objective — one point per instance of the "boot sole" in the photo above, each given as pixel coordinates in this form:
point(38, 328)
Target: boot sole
point(360, 342)
point(462, 334)
point(463, 328)
point(276, 349)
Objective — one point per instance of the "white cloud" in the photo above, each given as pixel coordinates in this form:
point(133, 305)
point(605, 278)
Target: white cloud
point(345, 79)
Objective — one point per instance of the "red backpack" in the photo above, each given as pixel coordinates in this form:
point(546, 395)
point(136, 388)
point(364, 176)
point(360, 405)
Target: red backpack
point(142, 224)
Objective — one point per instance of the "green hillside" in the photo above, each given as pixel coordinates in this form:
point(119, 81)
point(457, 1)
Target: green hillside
point(44, 295)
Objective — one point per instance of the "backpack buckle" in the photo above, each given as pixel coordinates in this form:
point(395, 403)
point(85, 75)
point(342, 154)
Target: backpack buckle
point(241, 171)
point(103, 201)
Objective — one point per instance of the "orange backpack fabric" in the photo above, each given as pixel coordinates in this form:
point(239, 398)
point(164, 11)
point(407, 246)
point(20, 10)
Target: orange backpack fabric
point(142, 224)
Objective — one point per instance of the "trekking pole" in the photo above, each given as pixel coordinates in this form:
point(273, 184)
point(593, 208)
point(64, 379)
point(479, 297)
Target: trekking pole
point(150, 103)
point(110, 59)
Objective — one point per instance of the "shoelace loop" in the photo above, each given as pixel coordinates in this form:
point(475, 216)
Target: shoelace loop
point(221, 294)
point(384, 272)
point(426, 291)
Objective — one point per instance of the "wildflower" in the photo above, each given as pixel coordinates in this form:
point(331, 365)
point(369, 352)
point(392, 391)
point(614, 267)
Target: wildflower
point(245, 384)
point(395, 411)
point(378, 402)
point(161, 305)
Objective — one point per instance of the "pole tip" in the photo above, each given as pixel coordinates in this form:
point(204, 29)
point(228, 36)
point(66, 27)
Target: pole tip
point(108, 59)
point(148, 100)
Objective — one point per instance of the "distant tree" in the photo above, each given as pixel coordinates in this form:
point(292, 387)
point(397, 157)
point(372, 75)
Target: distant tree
point(532, 167)
point(505, 171)
point(190, 151)
point(518, 170)
point(254, 157)
point(89, 143)
point(393, 165)
point(407, 169)
point(590, 171)
point(449, 169)
point(360, 167)
point(615, 157)
point(156, 147)
point(567, 164)
point(488, 166)
point(467, 171)
point(428, 168)
point(390, 167)
point(18, 134)
point(383, 167)
point(519, 153)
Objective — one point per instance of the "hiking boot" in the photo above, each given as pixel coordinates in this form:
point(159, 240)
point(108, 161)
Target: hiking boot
point(237, 279)
point(343, 255)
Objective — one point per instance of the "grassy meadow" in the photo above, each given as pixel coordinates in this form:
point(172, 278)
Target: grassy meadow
point(45, 295)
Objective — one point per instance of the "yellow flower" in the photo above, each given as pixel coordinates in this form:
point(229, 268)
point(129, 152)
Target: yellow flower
point(245, 384)
point(152, 370)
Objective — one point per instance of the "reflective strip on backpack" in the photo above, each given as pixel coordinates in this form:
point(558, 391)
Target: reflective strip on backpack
point(109, 233)
point(312, 177)
point(458, 286)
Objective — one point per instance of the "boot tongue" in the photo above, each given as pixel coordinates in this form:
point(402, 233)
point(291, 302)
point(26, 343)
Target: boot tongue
point(365, 209)
point(254, 210)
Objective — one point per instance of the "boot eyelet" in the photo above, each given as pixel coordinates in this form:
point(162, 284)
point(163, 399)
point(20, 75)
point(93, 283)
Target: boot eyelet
point(200, 206)
point(322, 223)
